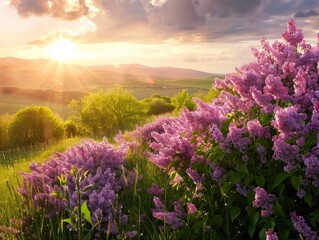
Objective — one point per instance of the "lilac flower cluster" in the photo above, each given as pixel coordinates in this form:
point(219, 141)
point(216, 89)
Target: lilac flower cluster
point(267, 114)
point(171, 218)
point(263, 200)
point(271, 235)
point(105, 179)
point(302, 227)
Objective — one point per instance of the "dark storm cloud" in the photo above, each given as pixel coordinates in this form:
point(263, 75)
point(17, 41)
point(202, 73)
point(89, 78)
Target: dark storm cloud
point(184, 20)
point(303, 14)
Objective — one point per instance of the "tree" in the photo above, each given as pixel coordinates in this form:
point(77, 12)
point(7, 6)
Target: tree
point(181, 100)
point(34, 125)
point(106, 112)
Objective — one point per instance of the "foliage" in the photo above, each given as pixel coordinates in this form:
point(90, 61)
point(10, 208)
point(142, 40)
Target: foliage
point(181, 100)
point(33, 125)
point(4, 126)
point(158, 104)
point(106, 112)
point(207, 96)
point(246, 165)
point(70, 128)
point(91, 174)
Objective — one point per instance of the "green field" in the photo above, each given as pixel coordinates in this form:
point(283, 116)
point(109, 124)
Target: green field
point(12, 103)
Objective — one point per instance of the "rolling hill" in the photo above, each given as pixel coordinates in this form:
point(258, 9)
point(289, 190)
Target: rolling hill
point(46, 82)
point(47, 74)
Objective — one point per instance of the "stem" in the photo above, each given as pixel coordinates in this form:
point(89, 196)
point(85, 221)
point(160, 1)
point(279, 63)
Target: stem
point(226, 209)
point(78, 179)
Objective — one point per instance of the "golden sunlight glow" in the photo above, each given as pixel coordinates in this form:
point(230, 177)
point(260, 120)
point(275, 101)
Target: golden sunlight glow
point(62, 50)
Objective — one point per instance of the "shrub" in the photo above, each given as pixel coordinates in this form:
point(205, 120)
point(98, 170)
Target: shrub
point(182, 100)
point(106, 112)
point(246, 165)
point(89, 178)
point(4, 135)
point(70, 128)
point(159, 106)
point(33, 125)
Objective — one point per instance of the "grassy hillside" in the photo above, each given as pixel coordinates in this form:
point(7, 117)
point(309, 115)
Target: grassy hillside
point(12, 103)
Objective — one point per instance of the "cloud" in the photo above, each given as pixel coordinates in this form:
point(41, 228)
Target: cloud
point(304, 14)
point(64, 9)
point(177, 20)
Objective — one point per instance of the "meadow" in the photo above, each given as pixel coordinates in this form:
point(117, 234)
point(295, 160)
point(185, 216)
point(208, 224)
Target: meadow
point(244, 165)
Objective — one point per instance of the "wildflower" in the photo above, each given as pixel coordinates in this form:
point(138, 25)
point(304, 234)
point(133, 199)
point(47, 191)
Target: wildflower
point(264, 201)
point(191, 208)
point(302, 227)
point(155, 190)
point(271, 235)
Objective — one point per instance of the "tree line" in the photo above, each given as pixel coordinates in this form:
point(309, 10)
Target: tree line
point(100, 114)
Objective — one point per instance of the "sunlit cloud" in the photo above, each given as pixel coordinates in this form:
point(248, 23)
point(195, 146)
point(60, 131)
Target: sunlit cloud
point(158, 3)
point(64, 9)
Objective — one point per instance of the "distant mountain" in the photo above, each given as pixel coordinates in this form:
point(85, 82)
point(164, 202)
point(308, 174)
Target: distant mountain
point(48, 74)
point(155, 72)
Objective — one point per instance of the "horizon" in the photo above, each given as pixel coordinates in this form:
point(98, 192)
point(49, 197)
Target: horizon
point(208, 36)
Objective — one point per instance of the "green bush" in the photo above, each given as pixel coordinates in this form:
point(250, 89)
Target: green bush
point(106, 112)
point(159, 106)
point(182, 100)
point(70, 128)
point(33, 125)
point(4, 125)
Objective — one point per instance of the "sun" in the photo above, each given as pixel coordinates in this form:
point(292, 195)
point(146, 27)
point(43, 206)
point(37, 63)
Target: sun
point(62, 50)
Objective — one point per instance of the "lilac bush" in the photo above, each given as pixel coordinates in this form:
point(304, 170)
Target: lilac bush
point(254, 147)
point(55, 187)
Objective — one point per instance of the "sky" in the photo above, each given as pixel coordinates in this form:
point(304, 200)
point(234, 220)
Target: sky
point(208, 35)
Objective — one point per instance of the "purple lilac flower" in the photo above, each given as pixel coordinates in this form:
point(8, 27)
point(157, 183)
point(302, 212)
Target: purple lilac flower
point(302, 227)
point(174, 218)
point(286, 153)
point(312, 168)
point(263, 200)
point(242, 189)
point(194, 175)
point(191, 208)
point(293, 35)
point(288, 120)
point(131, 234)
point(255, 129)
point(155, 190)
point(271, 235)
point(104, 166)
point(217, 172)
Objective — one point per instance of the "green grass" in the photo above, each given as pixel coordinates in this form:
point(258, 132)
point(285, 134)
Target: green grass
point(14, 162)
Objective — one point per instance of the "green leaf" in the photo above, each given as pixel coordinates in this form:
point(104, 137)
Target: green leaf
point(68, 220)
point(253, 215)
point(309, 198)
point(218, 220)
point(260, 180)
point(234, 213)
point(225, 188)
point(278, 210)
point(262, 233)
point(243, 169)
point(236, 177)
point(251, 230)
point(280, 178)
point(248, 179)
point(296, 181)
point(86, 212)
